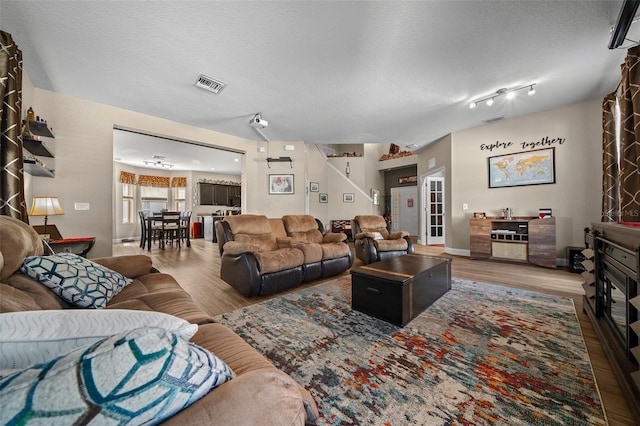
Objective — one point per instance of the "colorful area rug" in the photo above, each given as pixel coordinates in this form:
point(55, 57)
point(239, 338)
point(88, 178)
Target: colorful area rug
point(481, 354)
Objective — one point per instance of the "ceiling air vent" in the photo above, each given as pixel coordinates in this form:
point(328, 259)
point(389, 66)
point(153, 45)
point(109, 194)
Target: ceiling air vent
point(493, 120)
point(210, 84)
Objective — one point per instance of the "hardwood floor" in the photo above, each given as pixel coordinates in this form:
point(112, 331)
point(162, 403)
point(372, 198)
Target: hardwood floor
point(197, 269)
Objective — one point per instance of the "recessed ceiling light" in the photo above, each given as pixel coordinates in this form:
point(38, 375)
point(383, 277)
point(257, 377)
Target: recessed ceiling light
point(236, 160)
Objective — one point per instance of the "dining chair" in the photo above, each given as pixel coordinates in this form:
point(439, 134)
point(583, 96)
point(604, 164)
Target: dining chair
point(151, 228)
point(170, 228)
point(185, 225)
point(143, 228)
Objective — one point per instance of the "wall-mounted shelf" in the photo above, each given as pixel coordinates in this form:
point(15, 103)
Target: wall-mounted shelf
point(37, 148)
point(40, 129)
point(280, 160)
point(36, 169)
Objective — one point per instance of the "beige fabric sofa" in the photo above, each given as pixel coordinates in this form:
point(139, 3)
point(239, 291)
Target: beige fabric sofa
point(259, 394)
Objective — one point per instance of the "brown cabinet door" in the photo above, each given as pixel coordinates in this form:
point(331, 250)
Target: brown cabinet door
point(480, 235)
point(542, 242)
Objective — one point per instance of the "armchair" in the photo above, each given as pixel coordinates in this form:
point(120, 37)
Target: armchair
point(374, 243)
point(253, 262)
point(324, 255)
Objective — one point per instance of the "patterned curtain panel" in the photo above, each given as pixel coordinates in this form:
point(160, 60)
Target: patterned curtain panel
point(12, 201)
point(126, 177)
point(156, 181)
point(179, 182)
point(610, 169)
point(630, 138)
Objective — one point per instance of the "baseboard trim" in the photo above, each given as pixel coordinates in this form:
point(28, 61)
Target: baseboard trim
point(457, 252)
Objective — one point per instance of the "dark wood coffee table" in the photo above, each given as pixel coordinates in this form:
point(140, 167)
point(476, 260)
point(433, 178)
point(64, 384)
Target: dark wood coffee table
point(397, 290)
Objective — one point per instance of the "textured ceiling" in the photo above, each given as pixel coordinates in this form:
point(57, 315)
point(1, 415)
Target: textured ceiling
point(320, 71)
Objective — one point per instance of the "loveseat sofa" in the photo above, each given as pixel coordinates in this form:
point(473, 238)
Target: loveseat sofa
point(262, 256)
point(256, 393)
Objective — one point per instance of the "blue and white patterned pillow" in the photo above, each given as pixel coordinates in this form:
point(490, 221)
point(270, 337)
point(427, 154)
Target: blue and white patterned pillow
point(75, 279)
point(140, 377)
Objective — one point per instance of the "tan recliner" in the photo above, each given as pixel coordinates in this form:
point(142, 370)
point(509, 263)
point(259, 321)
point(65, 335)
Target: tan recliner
point(373, 242)
point(324, 255)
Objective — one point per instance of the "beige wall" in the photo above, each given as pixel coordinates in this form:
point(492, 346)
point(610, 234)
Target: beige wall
point(85, 170)
point(84, 165)
point(574, 198)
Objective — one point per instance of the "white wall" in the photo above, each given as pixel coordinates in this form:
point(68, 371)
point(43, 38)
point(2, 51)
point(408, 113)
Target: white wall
point(574, 198)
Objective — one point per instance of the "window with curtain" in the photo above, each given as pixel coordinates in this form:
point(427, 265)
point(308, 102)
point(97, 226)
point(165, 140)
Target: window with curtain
point(154, 199)
point(154, 193)
point(179, 199)
point(179, 191)
point(128, 203)
point(128, 181)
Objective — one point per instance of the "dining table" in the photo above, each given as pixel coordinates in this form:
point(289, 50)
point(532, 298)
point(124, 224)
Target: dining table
point(157, 217)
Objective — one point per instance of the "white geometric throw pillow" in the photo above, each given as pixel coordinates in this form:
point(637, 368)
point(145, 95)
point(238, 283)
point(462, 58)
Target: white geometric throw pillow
point(33, 337)
point(77, 280)
point(141, 377)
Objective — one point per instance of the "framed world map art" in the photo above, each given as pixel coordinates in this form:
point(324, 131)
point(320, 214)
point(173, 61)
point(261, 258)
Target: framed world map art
point(535, 167)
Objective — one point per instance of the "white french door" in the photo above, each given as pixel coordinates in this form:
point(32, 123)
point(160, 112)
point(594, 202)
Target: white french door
point(435, 210)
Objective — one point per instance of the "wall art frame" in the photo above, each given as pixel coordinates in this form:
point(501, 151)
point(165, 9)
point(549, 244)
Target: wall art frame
point(348, 197)
point(535, 167)
point(314, 186)
point(323, 198)
point(281, 184)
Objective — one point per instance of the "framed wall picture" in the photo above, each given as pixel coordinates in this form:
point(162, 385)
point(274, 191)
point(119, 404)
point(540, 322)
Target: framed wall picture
point(407, 180)
point(535, 167)
point(348, 197)
point(324, 198)
point(281, 184)
point(314, 186)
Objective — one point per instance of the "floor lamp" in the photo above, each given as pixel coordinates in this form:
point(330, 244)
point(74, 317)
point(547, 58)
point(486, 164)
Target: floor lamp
point(46, 206)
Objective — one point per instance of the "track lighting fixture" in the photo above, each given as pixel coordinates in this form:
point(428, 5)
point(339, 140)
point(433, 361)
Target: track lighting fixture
point(510, 93)
point(158, 164)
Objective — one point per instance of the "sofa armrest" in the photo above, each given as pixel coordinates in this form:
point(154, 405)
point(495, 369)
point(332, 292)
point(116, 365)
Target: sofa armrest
point(372, 235)
point(130, 266)
point(398, 235)
point(286, 242)
point(334, 237)
point(235, 248)
point(267, 397)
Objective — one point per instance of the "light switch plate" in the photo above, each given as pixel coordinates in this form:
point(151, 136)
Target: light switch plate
point(81, 206)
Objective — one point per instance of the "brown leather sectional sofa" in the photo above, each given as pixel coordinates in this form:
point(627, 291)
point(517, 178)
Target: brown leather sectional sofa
point(258, 394)
point(262, 256)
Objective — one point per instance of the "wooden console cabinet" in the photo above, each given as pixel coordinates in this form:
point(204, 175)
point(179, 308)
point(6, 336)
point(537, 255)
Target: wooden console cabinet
point(612, 301)
point(521, 239)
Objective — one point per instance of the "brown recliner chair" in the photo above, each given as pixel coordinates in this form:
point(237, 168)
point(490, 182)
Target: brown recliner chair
point(253, 261)
point(324, 255)
point(373, 242)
